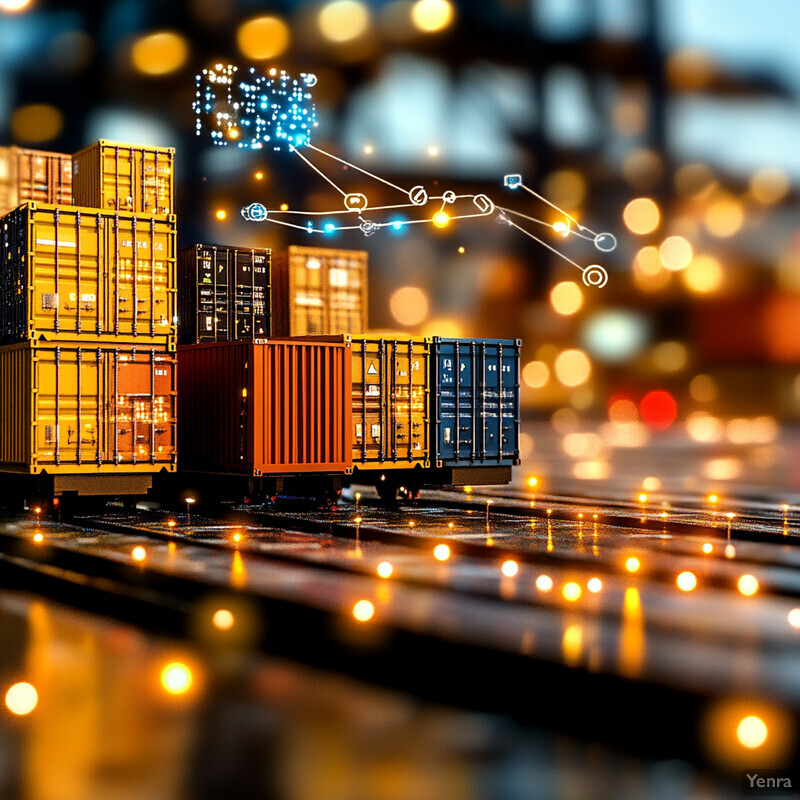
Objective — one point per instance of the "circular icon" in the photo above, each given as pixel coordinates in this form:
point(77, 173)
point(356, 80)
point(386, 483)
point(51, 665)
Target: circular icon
point(595, 275)
point(418, 196)
point(605, 242)
point(355, 202)
point(368, 227)
point(255, 212)
point(309, 79)
point(483, 203)
point(449, 197)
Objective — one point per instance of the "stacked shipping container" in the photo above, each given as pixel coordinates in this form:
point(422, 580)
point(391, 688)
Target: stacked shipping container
point(87, 307)
point(33, 175)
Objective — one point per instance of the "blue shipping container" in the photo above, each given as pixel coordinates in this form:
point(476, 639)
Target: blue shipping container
point(475, 385)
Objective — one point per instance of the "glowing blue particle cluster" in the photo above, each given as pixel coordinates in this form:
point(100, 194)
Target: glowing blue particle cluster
point(263, 109)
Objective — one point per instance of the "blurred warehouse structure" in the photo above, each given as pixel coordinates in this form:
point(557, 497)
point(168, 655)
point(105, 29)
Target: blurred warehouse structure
point(649, 118)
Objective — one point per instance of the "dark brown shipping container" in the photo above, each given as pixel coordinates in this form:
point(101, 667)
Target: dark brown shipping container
point(316, 290)
point(223, 294)
point(33, 175)
point(124, 177)
point(278, 407)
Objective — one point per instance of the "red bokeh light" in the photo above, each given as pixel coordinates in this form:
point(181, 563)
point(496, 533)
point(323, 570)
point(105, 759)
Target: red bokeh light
point(658, 409)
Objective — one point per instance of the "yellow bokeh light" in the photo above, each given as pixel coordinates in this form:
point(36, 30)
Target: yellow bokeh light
point(533, 482)
point(138, 553)
point(594, 585)
point(566, 298)
point(441, 219)
point(651, 483)
point(703, 275)
point(748, 585)
point(675, 253)
point(686, 581)
point(384, 569)
point(21, 699)
point(223, 620)
point(441, 552)
point(14, 5)
point(703, 388)
point(535, 374)
point(642, 498)
point(363, 610)
point(724, 217)
point(769, 185)
point(708, 548)
point(794, 617)
point(544, 583)
point(221, 214)
point(566, 188)
point(633, 564)
point(38, 538)
point(176, 678)
point(159, 53)
point(36, 123)
point(573, 367)
point(641, 215)
point(752, 732)
point(343, 20)
point(670, 356)
point(432, 15)
point(263, 37)
point(510, 568)
point(409, 305)
point(694, 180)
point(571, 591)
point(712, 498)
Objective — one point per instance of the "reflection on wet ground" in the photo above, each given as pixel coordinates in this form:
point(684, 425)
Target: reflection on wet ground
point(120, 714)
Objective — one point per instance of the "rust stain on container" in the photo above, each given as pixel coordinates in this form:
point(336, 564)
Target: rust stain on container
point(33, 175)
point(67, 271)
point(319, 291)
point(86, 408)
point(124, 177)
point(391, 389)
point(277, 407)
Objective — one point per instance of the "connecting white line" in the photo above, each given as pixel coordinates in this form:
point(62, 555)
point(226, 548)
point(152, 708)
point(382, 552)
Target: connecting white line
point(317, 170)
point(554, 206)
point(355, 166)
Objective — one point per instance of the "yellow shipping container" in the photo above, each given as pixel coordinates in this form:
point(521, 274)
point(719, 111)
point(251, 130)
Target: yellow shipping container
point(391, 390)
point(318, 290)
point(33, 175)
point(86, 408)
point(66, 271)
point(124, 177)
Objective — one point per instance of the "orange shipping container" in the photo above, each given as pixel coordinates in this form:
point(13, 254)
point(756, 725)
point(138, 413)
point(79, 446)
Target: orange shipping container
point(66, 271)
point(124, 177)
point(277, 407)
point(33, 175)
point(86, 408)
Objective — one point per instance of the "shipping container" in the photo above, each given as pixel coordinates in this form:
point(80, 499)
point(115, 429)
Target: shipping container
point(223, 294)
point(33, 175)
point(67, 271)
point(319, 291)
point(123, 177)
point(86, 408)
point(475, 387)
point(277, 407)
point(391, 400)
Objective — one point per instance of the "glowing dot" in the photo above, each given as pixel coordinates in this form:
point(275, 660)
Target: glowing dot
point(566, 298)
point(411, 524)
point(675, 253)
point(223, 619)
point(38, 537)
point(549, 511)
point(535, 374)
point(14, 5)
point(441, 219)
point(751, 732)
point(658, 409)
point(176, 678)
point(358, 520)
point(159, 53)
point(748, 585)
point(233, 133)
point(573, 367)
point(642, 498)
point(384, 569)
point(730, 551)
point(686, 581)
point(263, 37)
point(544, 583)
point(368, 149)
point(21, 699)
point(432, 15)
point(343, 20)
point(259, 176)
point(712, 498)
point(510, 568)
point(433, 151)
point(284, 206)
point(171, 523)
point(724, 217)
point(571, 591)
point(794, 617)
point(533, 482)
point(450, 525)
point(221, 213)
point(651, 483)
point(409, 305)
point(461, 249)
point(633, 564)
point(363, 610)
point(641, 215)
point(237, 537)
point(36, 123)
point(594, 585)
point(703, 275)
point(467, 490)
point(708, 548)
point(769, 185)
point(441, 552)
point(138, 553)
point(561, 227)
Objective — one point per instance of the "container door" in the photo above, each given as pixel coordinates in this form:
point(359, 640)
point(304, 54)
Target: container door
point(153, 181)
point(117, 178)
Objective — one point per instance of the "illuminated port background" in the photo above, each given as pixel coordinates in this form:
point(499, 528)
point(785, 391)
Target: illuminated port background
point(673, 124)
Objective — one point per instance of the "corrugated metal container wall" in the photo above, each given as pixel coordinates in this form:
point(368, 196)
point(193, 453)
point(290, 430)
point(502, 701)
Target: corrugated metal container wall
point(319, 291)
point(86, 408)
point(476, 400)
point(223, 294)
point(391, 420)
point(33, 175)
point(65, 271)
point(124, 177)
point(278, 407)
